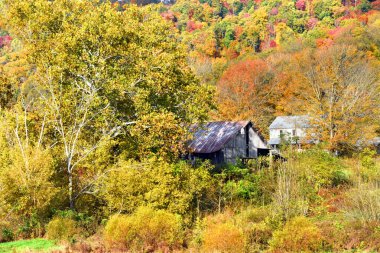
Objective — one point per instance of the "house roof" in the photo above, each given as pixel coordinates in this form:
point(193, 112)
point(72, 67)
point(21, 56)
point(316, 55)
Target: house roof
point(212, 136)
point(290, 122)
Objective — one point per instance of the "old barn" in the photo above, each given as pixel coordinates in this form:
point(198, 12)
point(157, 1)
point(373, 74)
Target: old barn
point(226, 142)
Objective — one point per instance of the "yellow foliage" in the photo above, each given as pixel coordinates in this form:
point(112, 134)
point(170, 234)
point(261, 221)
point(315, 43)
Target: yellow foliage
point(62, 229)
point(298, 235)
point(223, 237)
point(145, 229)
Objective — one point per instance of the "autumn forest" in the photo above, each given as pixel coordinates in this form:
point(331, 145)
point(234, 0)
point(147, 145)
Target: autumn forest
point(98, 99)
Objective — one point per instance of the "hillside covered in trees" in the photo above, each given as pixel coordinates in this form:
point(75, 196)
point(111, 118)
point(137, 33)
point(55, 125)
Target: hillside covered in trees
point(97, 99)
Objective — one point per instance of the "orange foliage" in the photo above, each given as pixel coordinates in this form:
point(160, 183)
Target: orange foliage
point(221, 235)
point(245, 91)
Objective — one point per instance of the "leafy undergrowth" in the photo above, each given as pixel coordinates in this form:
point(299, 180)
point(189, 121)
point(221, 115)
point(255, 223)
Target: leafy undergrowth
point(34, 245)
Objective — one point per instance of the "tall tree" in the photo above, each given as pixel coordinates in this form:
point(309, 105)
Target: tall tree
point(340, 92)
point(104, 72)
point(246, 90)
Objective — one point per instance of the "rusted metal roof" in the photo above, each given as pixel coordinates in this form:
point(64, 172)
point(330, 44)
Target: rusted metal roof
point(211, 137)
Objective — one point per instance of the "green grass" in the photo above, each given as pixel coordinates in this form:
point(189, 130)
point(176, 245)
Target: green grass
point(37, 245)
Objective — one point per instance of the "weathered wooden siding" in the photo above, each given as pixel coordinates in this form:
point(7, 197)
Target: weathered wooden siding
point(237, 147)
point(227, 142)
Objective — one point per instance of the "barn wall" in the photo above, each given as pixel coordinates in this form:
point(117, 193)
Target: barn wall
point(235, 148)
point(255, 142)
point(215, 157)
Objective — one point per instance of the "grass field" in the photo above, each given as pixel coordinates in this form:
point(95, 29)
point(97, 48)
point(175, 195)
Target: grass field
point(34, 245)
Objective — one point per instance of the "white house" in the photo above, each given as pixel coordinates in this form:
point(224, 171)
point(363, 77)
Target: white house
point(292, 129)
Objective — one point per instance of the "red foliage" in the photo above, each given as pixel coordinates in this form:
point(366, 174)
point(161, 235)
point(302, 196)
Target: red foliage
point(242, 89)
point(272, 43)
point(301, 5)
point(242, 76)
point(5, 40)
point(169, 16)
point(191, 13)
point(311, 23)
point(376, 5)
point(274, 11)
point(337, 32)
point(226, 5)
point(271, 30)
point(191, 26)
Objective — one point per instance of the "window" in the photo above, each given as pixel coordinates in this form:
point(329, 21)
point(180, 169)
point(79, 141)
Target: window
point(294, 132)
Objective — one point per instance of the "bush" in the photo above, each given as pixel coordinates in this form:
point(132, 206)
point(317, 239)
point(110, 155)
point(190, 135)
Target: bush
point(363, 202)
point(322, 169)
point(6, 235)
point(255, 228)
point(298, 235)
point(144, 230)
point(257, 236)
point(178, 188)
point(62, 229)
point(223, 237)
point(290, 198)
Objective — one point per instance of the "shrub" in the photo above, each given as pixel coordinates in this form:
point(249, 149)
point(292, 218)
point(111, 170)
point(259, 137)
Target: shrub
point(116, 231)
point(177, 188)
point(62, 229)
point(256, 231)
point(223, 237)
point(298, 235)
point(257, 236)
point(334, 234)
point(289, 199)
point(6, 235)
point(146, 229)
point(363, 202)
point(322, 169)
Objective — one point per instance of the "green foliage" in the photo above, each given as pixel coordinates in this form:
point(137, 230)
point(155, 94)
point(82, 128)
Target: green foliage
point(6, 234)
point(298, 235)
point(37, 245)
point(364, 6)
point(322, 169)
point(108, 74)
point(144, 229)
point(178, 188)
point(257, 231)
point(325, 8)
point(370, 171)
point(25, 181)
point(98, 122)
point(252, 183)
point(62, 229)
point(26, 171)
point(291, 195)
